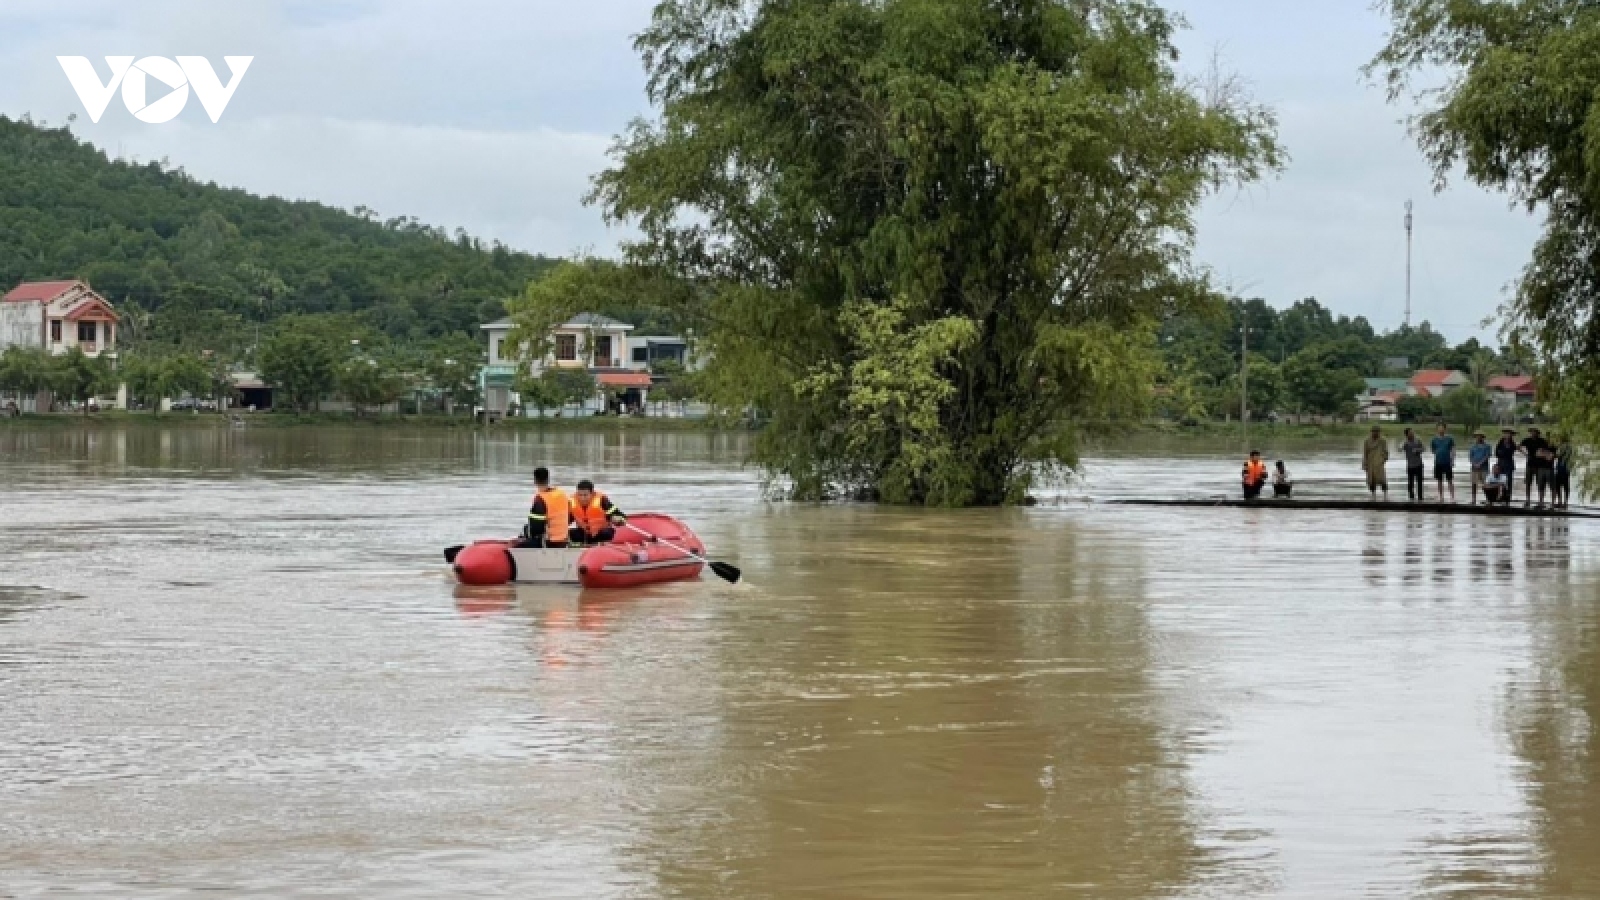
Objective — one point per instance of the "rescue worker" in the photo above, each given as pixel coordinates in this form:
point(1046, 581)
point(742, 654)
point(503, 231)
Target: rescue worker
point(595, 518)
point(1253, 475)
point(551, 515)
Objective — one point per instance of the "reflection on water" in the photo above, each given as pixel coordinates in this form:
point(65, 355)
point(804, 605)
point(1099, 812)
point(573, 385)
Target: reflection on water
point(230, 663)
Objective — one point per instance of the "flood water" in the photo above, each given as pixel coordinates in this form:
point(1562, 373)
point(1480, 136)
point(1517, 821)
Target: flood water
point(232, 665)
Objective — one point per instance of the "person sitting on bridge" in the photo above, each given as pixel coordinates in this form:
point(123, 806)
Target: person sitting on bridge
point(1253, 475)
point(1282, 484)
point(550, 516)
point(595, 518)
point(1497, 489)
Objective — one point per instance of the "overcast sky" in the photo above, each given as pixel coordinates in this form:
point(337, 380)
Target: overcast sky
point(492, 114)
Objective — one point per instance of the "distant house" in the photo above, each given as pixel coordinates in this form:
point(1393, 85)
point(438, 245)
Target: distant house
point(1510, 393)
point(58, 316)
point(620, 363)
point(1376, 386)
point(1381, 406)
point(253, 391)
point(1436, 382)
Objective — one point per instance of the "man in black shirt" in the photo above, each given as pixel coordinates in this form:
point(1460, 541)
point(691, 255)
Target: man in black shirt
point(1415, 472)
point(1541, 460)
point(1505, 455)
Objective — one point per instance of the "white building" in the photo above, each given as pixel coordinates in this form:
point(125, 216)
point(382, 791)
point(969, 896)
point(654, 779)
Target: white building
point(58, 316)
point(601, 346)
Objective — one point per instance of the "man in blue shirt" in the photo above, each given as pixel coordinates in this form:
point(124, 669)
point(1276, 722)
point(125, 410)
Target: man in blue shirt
point(1444, 461)
point(1478, 455)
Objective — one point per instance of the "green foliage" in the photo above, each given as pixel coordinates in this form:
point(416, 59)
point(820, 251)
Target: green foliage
point(367, 382)
point(1419, 408)
point(204, 265)
point(154, 378)
point(1315, 383)
point(1263, 384)
point(25, 370)
point(80, 377)
point(1467, 406)
point(921, 237)
point(451, 364)
point(301, 364)
point(555, 387)
point(1201, 347)
point(572, 385)
point(679, 386)
point(1517, 112)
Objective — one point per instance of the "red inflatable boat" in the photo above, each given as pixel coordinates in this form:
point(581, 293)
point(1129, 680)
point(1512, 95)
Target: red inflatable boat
point(634, 558)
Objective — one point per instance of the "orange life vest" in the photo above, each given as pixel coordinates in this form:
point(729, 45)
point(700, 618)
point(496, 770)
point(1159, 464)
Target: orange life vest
point(557, 513)
point(593, 517)
point(1255, 472)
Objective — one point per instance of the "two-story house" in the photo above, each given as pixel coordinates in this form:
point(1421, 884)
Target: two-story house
point(58, 316)
point(55, 316)
point(589, 341)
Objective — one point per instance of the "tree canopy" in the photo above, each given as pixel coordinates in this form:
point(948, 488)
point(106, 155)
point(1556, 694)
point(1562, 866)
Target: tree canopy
point(1519, 111)
point(923, 237)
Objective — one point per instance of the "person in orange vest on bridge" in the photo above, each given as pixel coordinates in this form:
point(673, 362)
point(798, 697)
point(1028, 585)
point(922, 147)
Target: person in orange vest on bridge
point(595, 518)
point(551, 514)
point(1253, 475)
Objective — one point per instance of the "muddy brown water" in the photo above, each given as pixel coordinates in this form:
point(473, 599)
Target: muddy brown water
point(232, 665)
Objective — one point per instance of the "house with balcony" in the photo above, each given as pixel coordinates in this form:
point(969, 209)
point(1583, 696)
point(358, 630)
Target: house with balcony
point(588, 341)
point(58, 316)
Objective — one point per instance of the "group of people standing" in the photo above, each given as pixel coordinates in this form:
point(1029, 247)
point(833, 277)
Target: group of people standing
point(1548, 466)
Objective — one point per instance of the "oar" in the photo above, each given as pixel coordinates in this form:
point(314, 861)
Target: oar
point(727, 573)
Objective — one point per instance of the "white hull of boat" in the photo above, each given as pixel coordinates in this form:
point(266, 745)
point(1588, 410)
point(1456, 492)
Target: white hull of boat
point(547, 565)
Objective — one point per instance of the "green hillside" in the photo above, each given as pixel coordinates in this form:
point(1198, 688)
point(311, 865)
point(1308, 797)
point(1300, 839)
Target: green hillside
point(201, 266)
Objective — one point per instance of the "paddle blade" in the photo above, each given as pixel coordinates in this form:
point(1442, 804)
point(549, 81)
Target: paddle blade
point(727, 573)
point(451, 552)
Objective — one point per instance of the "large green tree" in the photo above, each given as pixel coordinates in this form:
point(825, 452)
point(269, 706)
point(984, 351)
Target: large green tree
point(79, 377)
point(155, 378)
point(1519, 111)
point(1315, 382)
point(923, 237)
point(301, 365)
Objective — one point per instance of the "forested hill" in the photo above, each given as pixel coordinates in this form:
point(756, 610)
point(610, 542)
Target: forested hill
point(184, 255)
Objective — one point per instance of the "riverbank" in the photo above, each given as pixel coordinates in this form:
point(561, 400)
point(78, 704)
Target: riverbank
point(1270, 431)
point(120, 419)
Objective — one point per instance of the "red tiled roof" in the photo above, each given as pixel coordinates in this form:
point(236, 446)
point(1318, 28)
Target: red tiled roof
point(1389, 396)
point(93, 309)
point(1433, 376)
point(624, 379)
point(37, 291)
point(1512, 384)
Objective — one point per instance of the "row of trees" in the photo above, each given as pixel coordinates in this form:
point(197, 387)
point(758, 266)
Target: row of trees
point(73, 375)
point(1303, 359)
point(307, 358)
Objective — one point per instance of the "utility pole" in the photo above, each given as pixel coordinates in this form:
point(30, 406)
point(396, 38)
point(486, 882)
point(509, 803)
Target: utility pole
point(1244, 372)
point(1408, 263)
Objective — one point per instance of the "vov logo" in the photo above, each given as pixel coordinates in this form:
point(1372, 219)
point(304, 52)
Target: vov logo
point(134, 79)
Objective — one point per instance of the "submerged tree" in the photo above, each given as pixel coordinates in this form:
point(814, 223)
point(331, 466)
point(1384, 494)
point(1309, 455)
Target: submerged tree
point(922, 237)
point(1520, 111)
